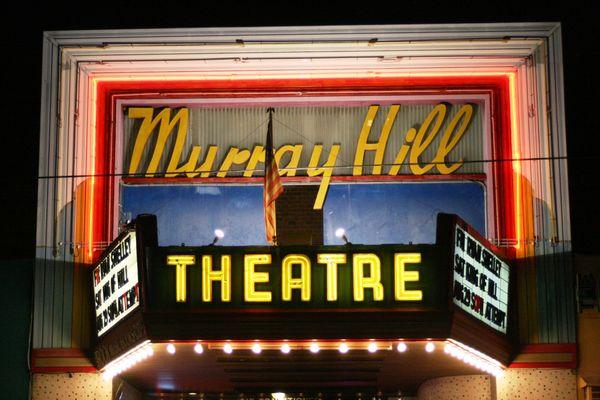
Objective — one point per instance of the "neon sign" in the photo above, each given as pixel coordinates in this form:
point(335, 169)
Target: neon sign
point(417, 141)
point(297, 278)
point(366, 273)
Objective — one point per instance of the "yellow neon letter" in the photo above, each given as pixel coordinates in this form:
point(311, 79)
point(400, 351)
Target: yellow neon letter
point(258, 155)
point(326, 170)
point(223, 276)
point(421, 142)
point(402, 276)
point(203, 169)
point(401, 156)
point(180, 262)
point(379, 146)
point(447, 143)
point(251, 278)
point(332, 261)
point(373, 281)
point(295, 153)
point(288, 283)
point(167, 126)
point(234, 156)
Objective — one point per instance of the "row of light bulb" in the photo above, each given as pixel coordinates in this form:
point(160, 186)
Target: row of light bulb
point(470, 357)
point(313, 348)
point(128, 360)
point(456, 350)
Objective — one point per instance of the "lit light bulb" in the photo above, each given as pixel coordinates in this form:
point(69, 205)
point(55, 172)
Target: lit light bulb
point(171, 348)
point(314, 348)
point(227, 348)
point(429, 347)
point(343, 348)
point(256, 349)
point(341, 234)
point(401, 347)
point(372, 347)
point(198, 348)
point(285, 348)
point(219, 234)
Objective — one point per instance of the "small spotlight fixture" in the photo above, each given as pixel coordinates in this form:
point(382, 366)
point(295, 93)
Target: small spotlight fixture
point(128, 360)
point(340, 233)
point(474, 358)
point(171, 348)
point(285, 348)
point(314, 348)
point(219, 234)
point(227, 348)
point(401, 347)
point(372, 347)
point(429, 347)
point(343, 348)
point(198, 348)
point(256, 349)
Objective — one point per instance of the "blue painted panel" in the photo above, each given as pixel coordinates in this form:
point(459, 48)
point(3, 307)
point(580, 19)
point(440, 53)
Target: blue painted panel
point(190, 213)
point(399, 213)
point(370, 213)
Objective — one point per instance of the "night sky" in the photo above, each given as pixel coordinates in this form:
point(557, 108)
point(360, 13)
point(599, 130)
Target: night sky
point(21, 62)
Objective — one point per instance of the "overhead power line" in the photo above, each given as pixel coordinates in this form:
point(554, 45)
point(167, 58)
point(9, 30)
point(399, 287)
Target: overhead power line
point(421, 163)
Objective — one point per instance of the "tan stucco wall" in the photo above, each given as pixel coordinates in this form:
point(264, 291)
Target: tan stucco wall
point(472, 387)
point(76, 386)
point(536, 384)
point(516, 384)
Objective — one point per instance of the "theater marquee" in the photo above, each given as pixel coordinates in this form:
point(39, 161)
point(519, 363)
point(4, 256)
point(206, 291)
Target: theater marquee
point(297, 292)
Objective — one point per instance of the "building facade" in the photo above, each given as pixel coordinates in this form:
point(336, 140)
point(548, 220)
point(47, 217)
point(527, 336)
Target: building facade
point(423, 234)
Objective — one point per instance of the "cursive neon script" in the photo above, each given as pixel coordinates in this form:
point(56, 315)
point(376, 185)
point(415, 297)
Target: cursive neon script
point(416, 142)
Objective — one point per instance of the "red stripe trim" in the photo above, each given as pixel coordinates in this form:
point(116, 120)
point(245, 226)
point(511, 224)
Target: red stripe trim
point(44, 354)
point(109, 91)
point(553, 365)
point(56, 370)
point(58, 353)
point(564, 348)
point(550, 348)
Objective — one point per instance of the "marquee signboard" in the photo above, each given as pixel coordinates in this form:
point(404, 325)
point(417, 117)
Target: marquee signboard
point(296, 278)
point(116, 283)
point(480, 280)
point(457, 287)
